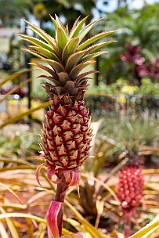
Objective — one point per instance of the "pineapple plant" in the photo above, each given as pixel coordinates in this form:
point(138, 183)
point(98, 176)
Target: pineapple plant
point(66, 128)
point(130, 191)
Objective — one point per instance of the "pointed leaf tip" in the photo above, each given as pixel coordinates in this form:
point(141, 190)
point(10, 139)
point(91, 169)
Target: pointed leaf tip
point(37, 173)
point(72, 177)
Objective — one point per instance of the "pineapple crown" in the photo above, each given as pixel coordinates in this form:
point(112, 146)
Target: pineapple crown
point(67, 55)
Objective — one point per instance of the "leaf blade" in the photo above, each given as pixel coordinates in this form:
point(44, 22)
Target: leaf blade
point(42, 34)
point(94, 38)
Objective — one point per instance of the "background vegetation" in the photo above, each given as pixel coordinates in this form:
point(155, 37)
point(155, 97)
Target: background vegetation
point(124, 104)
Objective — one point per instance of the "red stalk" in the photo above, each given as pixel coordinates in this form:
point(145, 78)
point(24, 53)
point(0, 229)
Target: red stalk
point(54, 215)
point(60, 196)
point(127, 222)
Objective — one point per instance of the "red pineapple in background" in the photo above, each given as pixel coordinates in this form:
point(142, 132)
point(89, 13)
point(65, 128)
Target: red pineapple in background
point(130, 192)
point(130, 187)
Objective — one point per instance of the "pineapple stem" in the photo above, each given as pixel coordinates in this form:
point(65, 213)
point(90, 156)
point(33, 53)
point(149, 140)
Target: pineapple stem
point(60, 196)
point(61, 192)
point(127, 222)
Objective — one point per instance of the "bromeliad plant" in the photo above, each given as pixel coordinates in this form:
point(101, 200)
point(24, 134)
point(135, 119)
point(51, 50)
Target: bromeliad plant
point(130, 192)
point(66, 128)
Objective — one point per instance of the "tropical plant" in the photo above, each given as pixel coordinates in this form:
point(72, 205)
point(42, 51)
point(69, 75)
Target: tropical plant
point(66, 129)
point(130, 192)
point(88, 214)
point(136, 135)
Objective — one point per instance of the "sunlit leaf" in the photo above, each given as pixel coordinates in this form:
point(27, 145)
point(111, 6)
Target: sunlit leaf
point(13, 76)
point(23, 114)
point(94, 39)
point(3, 231)
point(77, 27)
point(10, 225)
point(13, 90)
point(147, 230)
point(87, 28)
point(91, 229)
point(23, 215)
point(42, 34)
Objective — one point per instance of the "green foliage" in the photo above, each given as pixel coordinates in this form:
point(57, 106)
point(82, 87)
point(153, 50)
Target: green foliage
point(148, 88)
point(135, 27)
point(17, 141)
point(13, 10)
point(103, 98)
point(131, 131)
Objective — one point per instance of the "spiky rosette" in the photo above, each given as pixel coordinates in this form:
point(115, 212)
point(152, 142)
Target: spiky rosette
point(130, 186)
point(66, 55)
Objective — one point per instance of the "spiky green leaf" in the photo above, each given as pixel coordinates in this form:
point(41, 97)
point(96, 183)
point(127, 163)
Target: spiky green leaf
point(93, 55)
point(70, 48)
point(47, 69)
point(58, 20)
point(67, 30)
point(76, 28)
point(53, 80)
point(44, 52)
point(36, 42)
point(94, 39)
point(83, 81)
point(61, 37)
point(77, 69)
point(87, 28)
point(33, 52)
point(96, 47)
point(73, 60)
point(43, 35)
point(56, 65)
point(83, 75)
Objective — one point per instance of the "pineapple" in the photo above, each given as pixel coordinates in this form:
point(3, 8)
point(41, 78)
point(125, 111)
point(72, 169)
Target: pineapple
point(130, 192)
point(66, 129)
point(130, 186)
